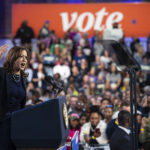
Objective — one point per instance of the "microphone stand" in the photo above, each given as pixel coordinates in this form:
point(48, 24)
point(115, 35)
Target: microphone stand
point(57, 90)
point(133, 109)
point(57, 86)
point(126, 62)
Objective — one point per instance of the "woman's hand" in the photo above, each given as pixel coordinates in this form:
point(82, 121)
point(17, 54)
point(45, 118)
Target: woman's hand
point(3, 49)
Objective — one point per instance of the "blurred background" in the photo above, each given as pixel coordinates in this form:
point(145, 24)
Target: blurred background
point(65, 41)
point(6, 9)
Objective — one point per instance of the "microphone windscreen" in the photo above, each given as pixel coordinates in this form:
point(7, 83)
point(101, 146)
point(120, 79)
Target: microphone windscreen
point(49, 79)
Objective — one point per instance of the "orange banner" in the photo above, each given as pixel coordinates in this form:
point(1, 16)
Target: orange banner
point(132, 17)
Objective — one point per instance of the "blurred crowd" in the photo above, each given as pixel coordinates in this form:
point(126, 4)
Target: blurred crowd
point(95, 90)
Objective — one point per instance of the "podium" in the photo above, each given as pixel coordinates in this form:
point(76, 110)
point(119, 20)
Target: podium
point(42, 127)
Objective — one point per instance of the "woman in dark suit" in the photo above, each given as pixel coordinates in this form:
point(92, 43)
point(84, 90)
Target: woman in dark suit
point(12, 89)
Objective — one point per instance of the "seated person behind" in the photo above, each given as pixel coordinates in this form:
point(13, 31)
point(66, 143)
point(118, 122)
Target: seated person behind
point(93, 132)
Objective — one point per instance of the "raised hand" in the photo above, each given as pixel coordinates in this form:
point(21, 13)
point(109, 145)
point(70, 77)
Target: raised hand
point(3, 49)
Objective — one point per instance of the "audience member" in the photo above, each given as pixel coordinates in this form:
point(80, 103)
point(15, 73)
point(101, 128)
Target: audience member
point(121, 139)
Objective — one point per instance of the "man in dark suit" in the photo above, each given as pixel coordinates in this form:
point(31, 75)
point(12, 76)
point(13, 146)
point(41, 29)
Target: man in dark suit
point(121, 139)
point(113, 124)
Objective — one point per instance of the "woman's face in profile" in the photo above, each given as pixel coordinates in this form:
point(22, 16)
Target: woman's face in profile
point(21, 62)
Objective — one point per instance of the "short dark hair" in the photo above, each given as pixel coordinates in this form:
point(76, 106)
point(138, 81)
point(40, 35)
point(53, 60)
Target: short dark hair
point(96, 112)
point(95, 109)
point(125, 103)
point(84, 115)
point(123, 117)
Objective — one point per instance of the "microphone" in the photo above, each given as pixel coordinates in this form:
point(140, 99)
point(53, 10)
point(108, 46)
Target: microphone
point(53, 82)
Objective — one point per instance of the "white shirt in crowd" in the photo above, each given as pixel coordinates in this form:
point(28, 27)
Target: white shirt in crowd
point(125, 129)
point(105, 60)
point(63, 70)
point(40, 75)
point(30, 74)
point(86, 130)
point(113, 34)
point(115, 115)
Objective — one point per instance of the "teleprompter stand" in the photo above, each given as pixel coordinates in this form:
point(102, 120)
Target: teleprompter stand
point(126, 62)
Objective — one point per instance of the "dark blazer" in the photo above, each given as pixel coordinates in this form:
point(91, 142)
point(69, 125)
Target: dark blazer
point(111, 127)
point(120, 140)
point(4, 97)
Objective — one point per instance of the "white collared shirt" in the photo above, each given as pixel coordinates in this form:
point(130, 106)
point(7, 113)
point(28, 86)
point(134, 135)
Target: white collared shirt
point(125, 129)
point(85, 130)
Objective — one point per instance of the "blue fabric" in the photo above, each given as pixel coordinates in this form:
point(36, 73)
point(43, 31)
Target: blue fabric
point(120, 140)
point(12, 98)
point(111, 127)
point(78, 59)
point(17, 94)
point(7, 87)
point(49, 59)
